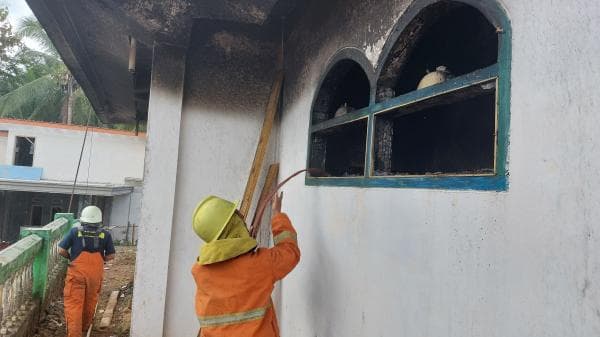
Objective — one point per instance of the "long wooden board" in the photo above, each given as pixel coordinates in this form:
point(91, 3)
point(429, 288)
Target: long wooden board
point(263, 142)
point(270, 182)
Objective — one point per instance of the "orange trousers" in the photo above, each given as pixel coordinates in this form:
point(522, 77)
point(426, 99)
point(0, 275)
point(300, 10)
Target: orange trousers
point(82, 287)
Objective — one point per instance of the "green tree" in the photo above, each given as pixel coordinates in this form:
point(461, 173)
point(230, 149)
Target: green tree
point(8, 43)
point(7, 39)
point(25, 66)
point(39, 86)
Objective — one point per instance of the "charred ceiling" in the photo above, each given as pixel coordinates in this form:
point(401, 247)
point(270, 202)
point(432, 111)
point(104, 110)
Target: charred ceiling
point(94, 39)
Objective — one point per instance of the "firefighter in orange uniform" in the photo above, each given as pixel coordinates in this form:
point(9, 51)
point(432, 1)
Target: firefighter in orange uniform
point(87, 247)
point(233, 280)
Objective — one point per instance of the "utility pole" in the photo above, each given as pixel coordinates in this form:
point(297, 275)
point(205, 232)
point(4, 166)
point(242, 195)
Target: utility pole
point(70, 85)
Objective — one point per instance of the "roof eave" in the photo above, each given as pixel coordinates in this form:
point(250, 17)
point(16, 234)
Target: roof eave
point(59, 27)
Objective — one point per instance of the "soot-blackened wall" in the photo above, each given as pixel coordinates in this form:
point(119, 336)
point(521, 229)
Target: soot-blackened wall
point(228, 78)
point(413, 262)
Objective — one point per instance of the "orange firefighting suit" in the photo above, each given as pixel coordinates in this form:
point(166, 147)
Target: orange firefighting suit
point(88, 245)
point(82, 286)
point(233, 297)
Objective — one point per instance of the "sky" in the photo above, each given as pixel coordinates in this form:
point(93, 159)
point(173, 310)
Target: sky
point(18, 9)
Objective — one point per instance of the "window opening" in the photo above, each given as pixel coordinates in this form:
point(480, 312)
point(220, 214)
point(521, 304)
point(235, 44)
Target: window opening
point(345, 89)
point(340, 151)
point(440, 111)
point(55, 210)
point(448, 134)
point(452, 37)
point(24, 149)
point(36, 215)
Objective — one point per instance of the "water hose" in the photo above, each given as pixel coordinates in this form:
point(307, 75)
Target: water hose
point(256, 220)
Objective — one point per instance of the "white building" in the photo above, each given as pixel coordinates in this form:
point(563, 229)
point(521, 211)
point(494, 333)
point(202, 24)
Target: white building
point(468, 208)
point(38, 163)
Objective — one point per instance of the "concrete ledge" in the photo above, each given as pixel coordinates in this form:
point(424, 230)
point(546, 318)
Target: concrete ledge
point(63, 187)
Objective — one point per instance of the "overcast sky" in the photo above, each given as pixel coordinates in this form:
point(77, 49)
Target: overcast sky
point(16, 10)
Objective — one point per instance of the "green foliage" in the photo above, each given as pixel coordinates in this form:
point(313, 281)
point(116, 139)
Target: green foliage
point(9, 42)
point(7, 39)
point(82, 110)
point(40, 99)
point(25, 66)
point(37, 85)
point(31, 28)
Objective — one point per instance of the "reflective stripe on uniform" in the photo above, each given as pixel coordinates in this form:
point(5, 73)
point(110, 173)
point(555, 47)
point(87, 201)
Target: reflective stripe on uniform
point(92, 235)
point(235, 318)
point(285, 235)
point(96, 235)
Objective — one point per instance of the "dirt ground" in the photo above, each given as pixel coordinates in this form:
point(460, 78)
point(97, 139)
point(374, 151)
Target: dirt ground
point(118, 275)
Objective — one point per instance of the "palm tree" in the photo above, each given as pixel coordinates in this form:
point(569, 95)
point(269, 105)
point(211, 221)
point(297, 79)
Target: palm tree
point(52, 96)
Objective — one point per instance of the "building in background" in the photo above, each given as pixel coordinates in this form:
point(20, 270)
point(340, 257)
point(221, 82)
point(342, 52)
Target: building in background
point(38, 162)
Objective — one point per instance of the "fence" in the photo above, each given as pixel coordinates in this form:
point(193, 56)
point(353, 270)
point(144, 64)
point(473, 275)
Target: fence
point(31, 275)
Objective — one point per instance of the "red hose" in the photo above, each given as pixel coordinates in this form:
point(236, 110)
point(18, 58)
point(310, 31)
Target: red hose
point(256, 220)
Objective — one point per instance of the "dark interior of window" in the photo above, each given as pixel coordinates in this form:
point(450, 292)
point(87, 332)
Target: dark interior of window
point(449, 130)
point(345, 88)
point(54, 211)
point(449, 34)
point(340, 151)
point(36, 215)
point(445, 135)
point(24, 149)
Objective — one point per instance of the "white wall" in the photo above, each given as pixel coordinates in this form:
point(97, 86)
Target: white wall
point(113, 156)
point(409, 262)
point(159, 199)
point(3, 145)
point(222, 115)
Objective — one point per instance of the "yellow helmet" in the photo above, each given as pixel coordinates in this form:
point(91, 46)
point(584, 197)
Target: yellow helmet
point(211, 216)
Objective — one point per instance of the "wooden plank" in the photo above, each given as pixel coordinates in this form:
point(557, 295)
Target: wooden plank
point(263, 142)
point(108, 312)
point(270, 182)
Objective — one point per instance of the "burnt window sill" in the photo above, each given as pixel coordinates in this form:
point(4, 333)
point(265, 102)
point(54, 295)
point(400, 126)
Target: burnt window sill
point(497, 183)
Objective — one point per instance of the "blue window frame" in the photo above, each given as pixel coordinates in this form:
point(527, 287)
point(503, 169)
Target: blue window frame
point(375, 128)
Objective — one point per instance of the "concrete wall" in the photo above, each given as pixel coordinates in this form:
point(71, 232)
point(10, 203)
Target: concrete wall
point(223, 109)
point(406, 262)
point(410, 262)
point(3, 144)
point(113, 156)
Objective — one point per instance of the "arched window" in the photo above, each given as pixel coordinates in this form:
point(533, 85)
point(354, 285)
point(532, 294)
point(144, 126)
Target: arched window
point(339, 149)
point(439, 115)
